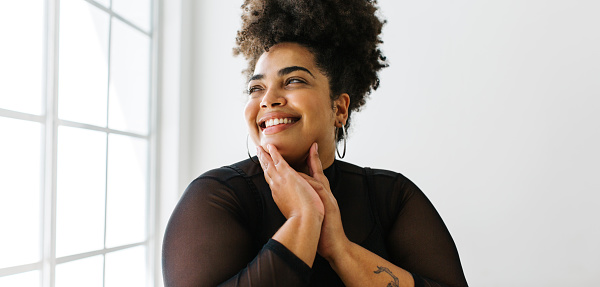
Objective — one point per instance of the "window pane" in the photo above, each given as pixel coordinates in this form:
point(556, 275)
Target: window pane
point(126, 267)
point(29, 279)
point(22, 55)
point(129, 79)
point(105, 3)
point(80, 191)
point(136, 11)
point(83, 63)
point(20, 185)
point(127, 177)
point(84, 272)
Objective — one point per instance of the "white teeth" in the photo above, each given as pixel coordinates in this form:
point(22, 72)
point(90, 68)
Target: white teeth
point(274, 122)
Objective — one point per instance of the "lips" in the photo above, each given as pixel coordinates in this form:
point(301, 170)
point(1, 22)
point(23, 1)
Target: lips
point(275, 122)
point(274, 119)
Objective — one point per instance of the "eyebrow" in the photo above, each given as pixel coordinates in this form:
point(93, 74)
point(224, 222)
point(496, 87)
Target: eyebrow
point(291, 69)
point(283, 72)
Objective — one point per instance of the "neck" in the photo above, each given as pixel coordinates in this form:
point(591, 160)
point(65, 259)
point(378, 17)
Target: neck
point(327, 160)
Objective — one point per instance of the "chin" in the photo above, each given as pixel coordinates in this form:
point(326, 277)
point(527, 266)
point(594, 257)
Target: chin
point(294, 153)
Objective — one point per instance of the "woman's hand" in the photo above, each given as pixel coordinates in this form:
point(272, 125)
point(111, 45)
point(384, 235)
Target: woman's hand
point(291, 192)
point(333, 240)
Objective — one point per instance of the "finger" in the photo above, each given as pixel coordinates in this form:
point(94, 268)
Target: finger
point(319, 186)
point(312, 181)
point(263, 158)
point(314, 163)
point(322, 190)
point(266, 163)
point(278, 160)
point(312, 167)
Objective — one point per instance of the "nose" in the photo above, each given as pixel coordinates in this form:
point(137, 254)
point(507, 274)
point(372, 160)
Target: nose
point(273, 98)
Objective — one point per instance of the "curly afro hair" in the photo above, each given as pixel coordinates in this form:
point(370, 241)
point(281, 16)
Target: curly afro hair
point(343, 35)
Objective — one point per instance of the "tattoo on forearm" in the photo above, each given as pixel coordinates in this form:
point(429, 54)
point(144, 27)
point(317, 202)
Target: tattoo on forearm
point(396, 282)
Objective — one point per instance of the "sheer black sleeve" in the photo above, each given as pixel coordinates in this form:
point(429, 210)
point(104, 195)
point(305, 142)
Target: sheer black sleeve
point(419, 240)
point(208, 241)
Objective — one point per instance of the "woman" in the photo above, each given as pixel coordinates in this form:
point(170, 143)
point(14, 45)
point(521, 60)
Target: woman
point(300, 217)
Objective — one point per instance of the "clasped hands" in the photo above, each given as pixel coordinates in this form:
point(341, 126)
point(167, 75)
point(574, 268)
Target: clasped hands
point(298, 194)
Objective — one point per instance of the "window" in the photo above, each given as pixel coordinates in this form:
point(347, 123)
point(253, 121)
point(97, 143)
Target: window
point(76, 125)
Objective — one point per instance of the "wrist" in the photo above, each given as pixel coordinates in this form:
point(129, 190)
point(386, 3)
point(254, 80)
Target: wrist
point(307, 215)
point(307, 220)
point(300, 235)
point(341, 252)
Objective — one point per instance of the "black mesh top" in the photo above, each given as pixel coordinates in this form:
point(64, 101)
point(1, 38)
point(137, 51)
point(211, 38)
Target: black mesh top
point(220, 232)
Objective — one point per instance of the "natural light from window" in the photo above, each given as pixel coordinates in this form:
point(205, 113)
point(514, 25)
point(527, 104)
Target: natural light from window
point(75, 119)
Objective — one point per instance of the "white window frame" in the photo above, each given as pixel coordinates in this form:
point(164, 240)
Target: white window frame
point(174, 38)
point(157, 213)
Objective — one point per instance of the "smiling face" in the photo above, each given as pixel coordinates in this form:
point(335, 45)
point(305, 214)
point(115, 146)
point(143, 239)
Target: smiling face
point(289, 105)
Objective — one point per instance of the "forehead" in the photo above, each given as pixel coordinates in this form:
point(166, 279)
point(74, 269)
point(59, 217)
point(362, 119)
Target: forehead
point(285, 55)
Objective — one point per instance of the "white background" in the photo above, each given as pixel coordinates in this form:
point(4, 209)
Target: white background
point(491, 107)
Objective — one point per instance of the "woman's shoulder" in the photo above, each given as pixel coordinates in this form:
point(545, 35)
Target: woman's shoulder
point(221, 192)
point(378, 174)
point(232, 182)
point(233, 172)
point(229, 187)
point(392, 185)
point(387, 190)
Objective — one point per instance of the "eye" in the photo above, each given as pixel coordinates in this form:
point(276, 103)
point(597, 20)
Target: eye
point(295, 81)
point(253, 89)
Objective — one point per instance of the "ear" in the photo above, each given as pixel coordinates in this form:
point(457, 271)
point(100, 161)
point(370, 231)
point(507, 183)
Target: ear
point(340, 109)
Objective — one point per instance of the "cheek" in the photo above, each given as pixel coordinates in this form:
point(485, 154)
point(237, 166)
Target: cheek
point(250, 112)
point(321, 123)
point(323, 111)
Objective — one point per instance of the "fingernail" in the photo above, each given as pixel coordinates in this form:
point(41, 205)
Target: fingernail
point(317, 147)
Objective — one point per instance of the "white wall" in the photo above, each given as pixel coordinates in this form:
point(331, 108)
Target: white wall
point(219, 135)
point(491, 107)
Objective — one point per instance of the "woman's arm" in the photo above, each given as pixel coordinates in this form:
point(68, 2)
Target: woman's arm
point(418, 241)
point(209, 241)
point(297, 201)
point(358, 266)
point(355, 265)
